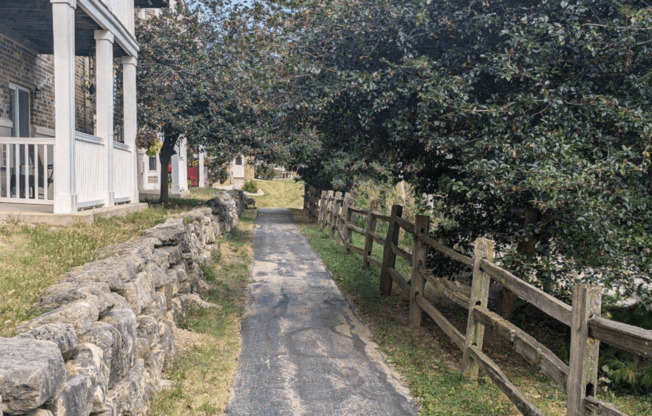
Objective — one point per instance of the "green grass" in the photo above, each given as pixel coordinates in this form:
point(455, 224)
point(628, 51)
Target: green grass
point(280, 193)
point(33, 257)
point(438, 386)
point(202, 194)
point(203, 374)
point(427, 360)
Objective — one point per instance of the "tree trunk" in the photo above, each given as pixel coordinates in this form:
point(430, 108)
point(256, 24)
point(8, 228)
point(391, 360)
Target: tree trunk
point(525, 247)
point(167, 151)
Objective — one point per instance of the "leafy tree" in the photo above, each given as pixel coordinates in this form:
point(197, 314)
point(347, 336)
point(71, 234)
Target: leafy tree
point(193, 85)
point(529, 120)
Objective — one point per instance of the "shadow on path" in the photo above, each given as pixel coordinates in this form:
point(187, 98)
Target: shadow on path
point(303, 350)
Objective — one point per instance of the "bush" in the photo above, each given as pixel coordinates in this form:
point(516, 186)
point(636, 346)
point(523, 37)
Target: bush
point(265, 172)
point(250, 186)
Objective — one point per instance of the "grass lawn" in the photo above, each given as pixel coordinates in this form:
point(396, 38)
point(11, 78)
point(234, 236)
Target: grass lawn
point(32, 257)
point(280, 193)
point(427, 359)
point(203, 374)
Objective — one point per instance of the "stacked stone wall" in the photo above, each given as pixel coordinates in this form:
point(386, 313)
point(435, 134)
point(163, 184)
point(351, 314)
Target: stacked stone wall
point(107, 332)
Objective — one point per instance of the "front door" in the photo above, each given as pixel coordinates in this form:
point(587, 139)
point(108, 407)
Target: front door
point(238, 168)
point(19, 111)
point(21, 156)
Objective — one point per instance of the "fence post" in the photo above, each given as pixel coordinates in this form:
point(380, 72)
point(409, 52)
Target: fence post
point(371, 228)
point(327, 206)
point(346, 235)
point(306, 198)
point(417, 281)
point(314, 205)
point(329, 209)
point(584, 350)
point(335, 215)
point(322, 205)
point(484, 249)
point(389, 258)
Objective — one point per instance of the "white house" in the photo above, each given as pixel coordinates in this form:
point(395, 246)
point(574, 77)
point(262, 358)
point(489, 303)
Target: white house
point(239, 170)
point(149, 168)
point(149, 173)
point(59, 145)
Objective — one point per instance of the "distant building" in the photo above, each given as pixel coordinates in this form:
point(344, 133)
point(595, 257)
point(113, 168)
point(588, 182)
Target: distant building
point(149, 168)
point(240, 170)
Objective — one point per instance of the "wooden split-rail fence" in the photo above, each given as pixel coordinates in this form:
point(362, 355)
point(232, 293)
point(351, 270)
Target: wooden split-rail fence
point(336, 211)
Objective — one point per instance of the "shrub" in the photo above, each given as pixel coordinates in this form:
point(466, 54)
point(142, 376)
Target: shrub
point(250, 186)
point(265, 172)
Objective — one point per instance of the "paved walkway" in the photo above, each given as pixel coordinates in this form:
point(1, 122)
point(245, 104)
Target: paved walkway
point(303, 350)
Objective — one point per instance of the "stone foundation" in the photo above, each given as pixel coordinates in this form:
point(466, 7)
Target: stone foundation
point(106, 333)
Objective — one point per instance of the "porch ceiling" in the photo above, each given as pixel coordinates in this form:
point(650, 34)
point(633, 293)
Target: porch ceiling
point(151, 3)
point(30, 21)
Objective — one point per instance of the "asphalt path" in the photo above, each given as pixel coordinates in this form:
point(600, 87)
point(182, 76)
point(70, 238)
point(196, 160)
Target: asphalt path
point(304, 352)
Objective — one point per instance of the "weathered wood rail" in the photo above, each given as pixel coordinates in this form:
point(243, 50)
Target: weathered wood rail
point(335, 212)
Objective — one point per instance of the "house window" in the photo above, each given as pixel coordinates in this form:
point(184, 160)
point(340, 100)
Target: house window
point(238, 161)
point(19, 111)
point(152, 163)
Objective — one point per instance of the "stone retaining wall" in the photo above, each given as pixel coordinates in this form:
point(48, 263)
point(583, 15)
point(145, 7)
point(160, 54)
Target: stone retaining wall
point(107, 331)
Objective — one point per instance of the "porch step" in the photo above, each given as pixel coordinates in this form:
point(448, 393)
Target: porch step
point(39, 214)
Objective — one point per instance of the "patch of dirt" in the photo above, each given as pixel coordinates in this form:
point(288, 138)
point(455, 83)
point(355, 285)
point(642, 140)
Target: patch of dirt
point(185, 340)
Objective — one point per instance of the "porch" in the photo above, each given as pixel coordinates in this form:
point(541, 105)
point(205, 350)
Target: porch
point(44, 214)
point(73, 170)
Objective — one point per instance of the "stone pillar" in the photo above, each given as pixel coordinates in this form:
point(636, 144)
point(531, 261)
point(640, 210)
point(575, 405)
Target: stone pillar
point(202, 172)
point(63, 33)
point(104, 104)
point(130, 115)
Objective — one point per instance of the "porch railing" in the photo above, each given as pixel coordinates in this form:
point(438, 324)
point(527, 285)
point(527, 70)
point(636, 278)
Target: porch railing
point(90, 175)
point(123, 171)
point(26, 170)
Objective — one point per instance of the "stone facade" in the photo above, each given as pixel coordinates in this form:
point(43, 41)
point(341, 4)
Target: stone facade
point(107, 332)
point(20, 65)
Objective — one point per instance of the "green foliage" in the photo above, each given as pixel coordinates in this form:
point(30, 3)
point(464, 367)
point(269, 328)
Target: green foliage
point(264, 171)
point(529, 121)
point(622, 371)
point(250, 186)
point(388, 194)
point(154, 148)
point(192, 84)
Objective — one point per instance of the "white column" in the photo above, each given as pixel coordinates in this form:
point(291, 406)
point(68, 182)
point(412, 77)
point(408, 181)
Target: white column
point(183, 165)
point(130, 115)
point(202, 176)
point(174, 162)
point(180, 168)
point(63, 32)
point(104, 86)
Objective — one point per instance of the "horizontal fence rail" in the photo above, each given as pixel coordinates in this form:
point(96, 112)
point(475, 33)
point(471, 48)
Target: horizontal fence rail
point(336, 212)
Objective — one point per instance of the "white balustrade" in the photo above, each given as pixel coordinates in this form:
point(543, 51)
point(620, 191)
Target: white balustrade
point(123, 171)
point(89, 175)
point(26, 170)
